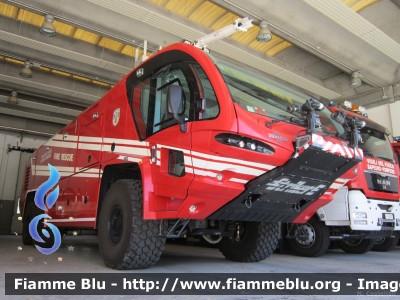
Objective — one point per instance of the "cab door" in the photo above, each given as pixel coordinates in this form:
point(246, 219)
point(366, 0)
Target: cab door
point(170, 147)
point(90, 138)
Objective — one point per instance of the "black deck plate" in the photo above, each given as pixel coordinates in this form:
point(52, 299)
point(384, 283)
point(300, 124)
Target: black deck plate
point(283, 193)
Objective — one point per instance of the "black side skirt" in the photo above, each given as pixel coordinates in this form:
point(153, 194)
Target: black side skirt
point(283, 193)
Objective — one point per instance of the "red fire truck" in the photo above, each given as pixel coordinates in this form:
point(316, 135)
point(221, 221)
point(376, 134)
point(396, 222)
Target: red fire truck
point(365, 213)
point(190, 144)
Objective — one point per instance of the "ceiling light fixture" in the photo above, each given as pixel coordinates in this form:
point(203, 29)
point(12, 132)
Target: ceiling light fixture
point(48, 28)
point(264, 34)
point(13, 98)
point(26, 71)
point(355, 80)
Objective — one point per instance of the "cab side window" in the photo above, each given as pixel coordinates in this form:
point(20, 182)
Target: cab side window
point(149, 103)
point(211, 107)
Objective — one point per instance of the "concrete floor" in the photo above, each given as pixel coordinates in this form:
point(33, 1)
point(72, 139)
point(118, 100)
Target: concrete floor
point(178, 258)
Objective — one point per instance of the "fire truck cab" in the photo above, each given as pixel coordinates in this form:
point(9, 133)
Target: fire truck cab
point(190, 144)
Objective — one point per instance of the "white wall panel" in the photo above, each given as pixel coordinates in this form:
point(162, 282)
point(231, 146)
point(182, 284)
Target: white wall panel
point(387, 115)
point(395, 118)
point(381, 115)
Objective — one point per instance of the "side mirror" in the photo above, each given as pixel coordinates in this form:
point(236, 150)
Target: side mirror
point(175, 104)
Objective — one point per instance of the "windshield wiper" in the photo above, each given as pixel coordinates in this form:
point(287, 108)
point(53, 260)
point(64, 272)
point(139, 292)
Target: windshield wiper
point(273, 121)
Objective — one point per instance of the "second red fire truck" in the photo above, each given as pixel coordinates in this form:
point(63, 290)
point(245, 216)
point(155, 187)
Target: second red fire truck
point(365, 213)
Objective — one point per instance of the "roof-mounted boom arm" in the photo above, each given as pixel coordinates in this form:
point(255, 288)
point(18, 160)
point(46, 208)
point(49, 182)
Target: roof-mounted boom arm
point(239, 25)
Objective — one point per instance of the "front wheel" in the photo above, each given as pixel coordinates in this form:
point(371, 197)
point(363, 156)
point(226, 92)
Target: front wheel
point(386, 244)
point(356, 246)
point(256, 242)
point(126, 241)
point(312, 239)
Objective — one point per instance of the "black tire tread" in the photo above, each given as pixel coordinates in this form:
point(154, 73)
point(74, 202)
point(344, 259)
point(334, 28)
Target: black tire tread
point(259, 249)
point(28, 216)
point(321, 243)
point(145, 246)
point(365, 246)
point(387, 245)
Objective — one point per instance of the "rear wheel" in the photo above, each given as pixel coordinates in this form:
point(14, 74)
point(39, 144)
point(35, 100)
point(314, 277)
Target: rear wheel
point(386, 244)
point(126, 241)
point(256, 242)
point(312, 239)
point(28, 216)
point(31, 212)
point(356, 246)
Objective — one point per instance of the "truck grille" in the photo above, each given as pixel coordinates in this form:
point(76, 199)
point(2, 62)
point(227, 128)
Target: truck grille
point(378, 182)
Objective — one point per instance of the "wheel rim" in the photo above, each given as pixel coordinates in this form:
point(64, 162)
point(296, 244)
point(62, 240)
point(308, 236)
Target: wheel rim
point(353, 242)
point(212, 239)
point(379, 241)
point(309, 232)
point(115, 224)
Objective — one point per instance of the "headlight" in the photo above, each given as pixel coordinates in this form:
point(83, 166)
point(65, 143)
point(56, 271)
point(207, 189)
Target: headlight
point(359, 215)
point(244, 143)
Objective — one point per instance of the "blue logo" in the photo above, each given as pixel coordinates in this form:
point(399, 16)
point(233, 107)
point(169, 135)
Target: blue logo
point(51, 231)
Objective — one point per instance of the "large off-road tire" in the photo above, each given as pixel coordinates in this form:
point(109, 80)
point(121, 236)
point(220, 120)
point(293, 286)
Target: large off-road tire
point(315, 243)
point(28, 216)
point(257, 242)
point(126, 241)
point(32, 211)
point(386, 244)
point(356, 246)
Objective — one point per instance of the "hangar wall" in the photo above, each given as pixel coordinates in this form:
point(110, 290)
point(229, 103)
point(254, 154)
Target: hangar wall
point(388, 116)
point(9, 173)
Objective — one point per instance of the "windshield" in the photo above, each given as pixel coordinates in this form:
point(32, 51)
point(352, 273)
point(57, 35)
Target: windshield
point(375, 143)
point(261, 95)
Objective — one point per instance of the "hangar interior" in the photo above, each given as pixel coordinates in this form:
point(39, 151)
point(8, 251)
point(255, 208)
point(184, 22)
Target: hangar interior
point(332, 50)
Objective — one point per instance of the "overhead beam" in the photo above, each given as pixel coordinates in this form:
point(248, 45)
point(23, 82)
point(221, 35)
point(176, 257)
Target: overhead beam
point(41, 108)
point(25, 35)
point(26, 113)
point(29, 126)
point(397, 2)
point(50, 85)
point(159, 26)
point(34, 99)
point(75, 14)
point(166, 23)
point(47, 48)
point(347, 18)
point(308, 29)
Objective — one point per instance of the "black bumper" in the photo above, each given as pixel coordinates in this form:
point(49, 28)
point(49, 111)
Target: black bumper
point(283, 193)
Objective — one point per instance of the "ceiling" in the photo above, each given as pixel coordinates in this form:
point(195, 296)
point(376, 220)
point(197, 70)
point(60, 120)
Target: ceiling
point(316, 46)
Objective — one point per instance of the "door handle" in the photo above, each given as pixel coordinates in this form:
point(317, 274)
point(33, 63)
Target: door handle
point(153, 156)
